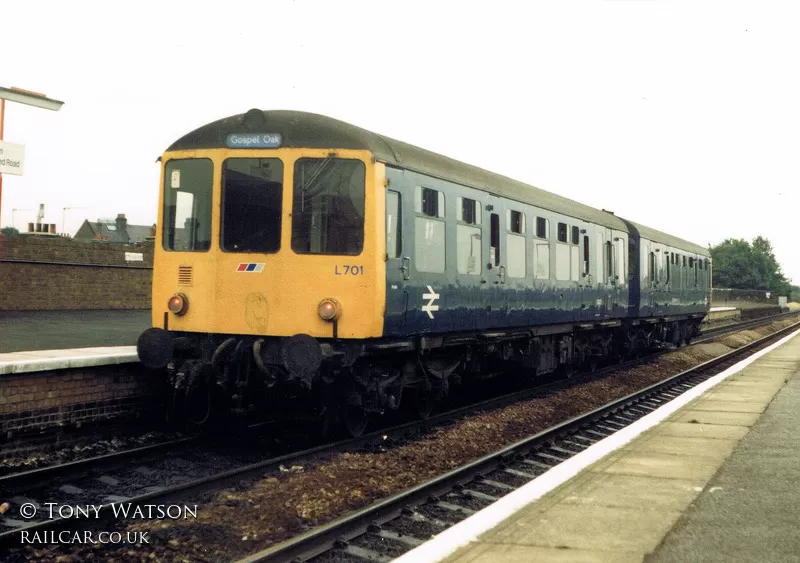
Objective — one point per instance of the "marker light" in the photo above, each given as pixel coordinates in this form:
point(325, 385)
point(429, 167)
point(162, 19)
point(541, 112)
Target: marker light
point(178, 304)
point(329, 309)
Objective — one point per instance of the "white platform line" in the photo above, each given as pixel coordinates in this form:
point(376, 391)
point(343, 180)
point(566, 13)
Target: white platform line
point(468, 530)
point(48, 360)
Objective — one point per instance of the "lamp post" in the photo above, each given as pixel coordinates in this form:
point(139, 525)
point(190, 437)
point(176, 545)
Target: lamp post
point(26, 97)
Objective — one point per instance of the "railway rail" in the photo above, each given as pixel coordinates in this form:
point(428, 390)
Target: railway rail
point(717, 331)
point(390, 527)
point(117, 460)
point(62, 481)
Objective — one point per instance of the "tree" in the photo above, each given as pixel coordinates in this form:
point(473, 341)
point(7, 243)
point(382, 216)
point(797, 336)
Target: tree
point(9, 232)
point(741, 265)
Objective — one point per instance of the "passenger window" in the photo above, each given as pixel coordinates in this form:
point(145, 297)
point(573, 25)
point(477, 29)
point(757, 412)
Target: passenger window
point(515, 221)
point(562, 262)
point(393, 227)
point(562, 232)
point(468, 249)
point(608, 254)
point(542, 227)
point(429, 202)
point(429, 231)
point(574, 263)
point(515, 244)
point(468, 211)
point(651, 270)
point(516, 255)
point(542, 260)
point(576, 235)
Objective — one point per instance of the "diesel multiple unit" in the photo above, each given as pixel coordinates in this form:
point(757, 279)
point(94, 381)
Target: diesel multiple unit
point(307, 266)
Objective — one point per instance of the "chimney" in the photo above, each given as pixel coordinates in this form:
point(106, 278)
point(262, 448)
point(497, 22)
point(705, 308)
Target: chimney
point(122, 225)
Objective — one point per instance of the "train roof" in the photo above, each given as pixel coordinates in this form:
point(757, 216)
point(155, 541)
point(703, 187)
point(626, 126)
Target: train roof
point(658, 236)
point(308, 130)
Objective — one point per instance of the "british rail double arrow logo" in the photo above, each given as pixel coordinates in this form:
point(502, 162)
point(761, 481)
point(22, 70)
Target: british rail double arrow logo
point(432, 296)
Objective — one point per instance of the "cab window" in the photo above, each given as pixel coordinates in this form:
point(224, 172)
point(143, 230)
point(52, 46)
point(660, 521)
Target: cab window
point(252, 194)
point(328, 206)
point(187, 204)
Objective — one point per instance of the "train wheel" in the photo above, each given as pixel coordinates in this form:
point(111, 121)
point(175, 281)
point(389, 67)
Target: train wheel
point(355, 420)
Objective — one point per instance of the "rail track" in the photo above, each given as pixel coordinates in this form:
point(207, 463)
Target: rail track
point(168, 472)
point(715, 332)
point(393, 526)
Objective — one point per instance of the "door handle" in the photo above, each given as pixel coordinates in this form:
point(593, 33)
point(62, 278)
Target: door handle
point(405, 267)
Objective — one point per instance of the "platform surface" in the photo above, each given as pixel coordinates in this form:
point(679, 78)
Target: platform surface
point(750, 511)
point(716, 481)
point(58, 330)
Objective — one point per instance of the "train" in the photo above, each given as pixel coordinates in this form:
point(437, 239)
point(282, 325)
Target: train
point(306, 268)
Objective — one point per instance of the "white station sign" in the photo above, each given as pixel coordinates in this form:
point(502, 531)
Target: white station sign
point(12, 158)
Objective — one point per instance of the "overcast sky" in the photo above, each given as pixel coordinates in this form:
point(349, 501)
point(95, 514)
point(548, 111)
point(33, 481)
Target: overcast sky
point(684, 116)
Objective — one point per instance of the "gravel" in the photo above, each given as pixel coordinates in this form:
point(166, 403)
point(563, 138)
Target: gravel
point(80, 447)
point(277, 507)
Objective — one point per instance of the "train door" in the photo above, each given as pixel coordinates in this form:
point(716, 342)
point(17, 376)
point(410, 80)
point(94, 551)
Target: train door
point(495, 274)
point(470, 262)
point(604, 269)
point(398, 263)
point(634, 267)
point(669, 279)
point(619, 277)
point(586, 283)
point(676, 278)
point(659, 293)
point(647, 258)
point(694, 282)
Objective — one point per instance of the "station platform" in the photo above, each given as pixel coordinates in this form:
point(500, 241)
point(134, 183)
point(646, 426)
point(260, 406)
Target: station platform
point(24, 331)
point(710, 476)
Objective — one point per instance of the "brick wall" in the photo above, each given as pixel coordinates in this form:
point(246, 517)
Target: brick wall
point(48, 399)
point(54, 273)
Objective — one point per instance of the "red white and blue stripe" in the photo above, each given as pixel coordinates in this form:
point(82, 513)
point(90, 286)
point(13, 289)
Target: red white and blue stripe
point(250, 267)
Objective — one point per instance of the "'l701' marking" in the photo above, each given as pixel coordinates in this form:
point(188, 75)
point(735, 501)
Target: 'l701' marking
point(348, 270)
